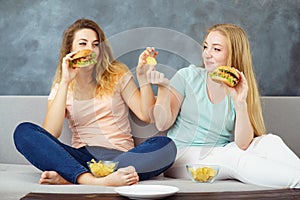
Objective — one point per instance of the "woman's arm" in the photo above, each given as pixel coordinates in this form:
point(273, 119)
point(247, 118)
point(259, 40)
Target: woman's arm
point(55, 114)
point(141, 101)
point(243, 129)
point(168, 101)
point(135, 101)
point(56, 108)
point(244, 132)
point(167, 107)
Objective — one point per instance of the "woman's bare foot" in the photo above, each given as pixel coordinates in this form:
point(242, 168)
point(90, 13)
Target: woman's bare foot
point(123, 176)
point(52, 177)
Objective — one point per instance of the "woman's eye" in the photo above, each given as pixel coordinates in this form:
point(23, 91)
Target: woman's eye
point(96, 44)
point(204, 47)
point(216, 49)
point(82, 43)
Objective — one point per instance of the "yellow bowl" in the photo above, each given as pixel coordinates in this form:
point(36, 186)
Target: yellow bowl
point(102, 167)
point(202, 173)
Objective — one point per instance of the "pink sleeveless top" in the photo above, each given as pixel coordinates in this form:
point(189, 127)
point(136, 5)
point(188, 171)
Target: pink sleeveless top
point(101, 121)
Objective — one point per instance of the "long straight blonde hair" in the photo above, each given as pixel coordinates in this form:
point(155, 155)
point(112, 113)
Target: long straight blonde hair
point(106, 72)
point(240, 58)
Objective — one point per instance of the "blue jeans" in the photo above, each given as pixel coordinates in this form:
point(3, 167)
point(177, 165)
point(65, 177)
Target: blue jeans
point(47, 153)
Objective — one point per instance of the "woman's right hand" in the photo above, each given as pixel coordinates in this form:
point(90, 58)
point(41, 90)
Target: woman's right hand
point(156, 77)
point(68, 72)
point(240, 92)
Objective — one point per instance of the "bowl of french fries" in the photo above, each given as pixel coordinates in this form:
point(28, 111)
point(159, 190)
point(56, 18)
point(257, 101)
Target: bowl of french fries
point(102, 168)
point(202, 173)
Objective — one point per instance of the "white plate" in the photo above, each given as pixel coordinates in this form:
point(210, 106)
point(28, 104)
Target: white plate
point(146, 191)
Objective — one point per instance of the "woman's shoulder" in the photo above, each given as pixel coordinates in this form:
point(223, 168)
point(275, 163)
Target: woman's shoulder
point(119, 66)
point(123, 72)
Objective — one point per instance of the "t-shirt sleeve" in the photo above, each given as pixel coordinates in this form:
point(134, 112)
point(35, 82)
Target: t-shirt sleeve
point(178, 82)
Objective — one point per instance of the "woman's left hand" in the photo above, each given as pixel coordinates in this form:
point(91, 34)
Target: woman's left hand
point(239, 93)
point(143, 67)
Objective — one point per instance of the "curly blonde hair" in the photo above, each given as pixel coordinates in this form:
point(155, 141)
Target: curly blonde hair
point(107, 72)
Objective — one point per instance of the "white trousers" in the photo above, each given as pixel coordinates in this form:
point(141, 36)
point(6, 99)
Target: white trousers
point(267, 162)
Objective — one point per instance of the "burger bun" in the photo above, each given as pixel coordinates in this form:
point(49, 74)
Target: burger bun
point(83, 58)
point(227, 75)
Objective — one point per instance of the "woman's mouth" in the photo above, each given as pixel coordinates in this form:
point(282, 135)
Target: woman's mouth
point(208, 63)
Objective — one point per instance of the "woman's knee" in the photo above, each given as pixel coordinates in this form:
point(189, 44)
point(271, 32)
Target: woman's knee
point(163, 140)
point(168, 144)
point(271, 139)
point(23, 131)
point(274, 137)
point(157, 143)
point(23, 127)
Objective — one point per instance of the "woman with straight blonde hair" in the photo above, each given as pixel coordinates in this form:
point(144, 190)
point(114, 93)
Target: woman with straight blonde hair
point(212, 123)
point(95, 100)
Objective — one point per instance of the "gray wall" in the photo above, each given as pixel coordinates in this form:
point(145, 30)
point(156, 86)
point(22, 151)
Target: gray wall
point(31, 31)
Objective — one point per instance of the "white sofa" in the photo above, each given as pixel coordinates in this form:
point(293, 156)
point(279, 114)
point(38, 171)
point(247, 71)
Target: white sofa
point(18, 177)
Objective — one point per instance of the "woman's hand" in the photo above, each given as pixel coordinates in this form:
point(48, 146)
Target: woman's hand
point(143, 67)
point(68, 72)
point(239, 93)
point(156, 77)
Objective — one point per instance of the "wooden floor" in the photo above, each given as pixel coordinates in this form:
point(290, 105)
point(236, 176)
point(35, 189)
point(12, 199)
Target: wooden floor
point(290, 194)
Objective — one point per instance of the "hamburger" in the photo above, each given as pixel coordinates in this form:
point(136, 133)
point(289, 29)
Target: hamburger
point(227, 75)
point(83, 58)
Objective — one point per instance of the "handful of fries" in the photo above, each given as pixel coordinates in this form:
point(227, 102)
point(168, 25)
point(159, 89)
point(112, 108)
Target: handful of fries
point(102, 168)
point(202, 174)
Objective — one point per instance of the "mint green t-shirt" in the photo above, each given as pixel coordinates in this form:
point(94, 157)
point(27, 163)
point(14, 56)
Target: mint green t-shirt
point(200, 122)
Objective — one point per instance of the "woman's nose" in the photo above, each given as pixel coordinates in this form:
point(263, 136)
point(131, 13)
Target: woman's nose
point(90, 46)
point(207, 53)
